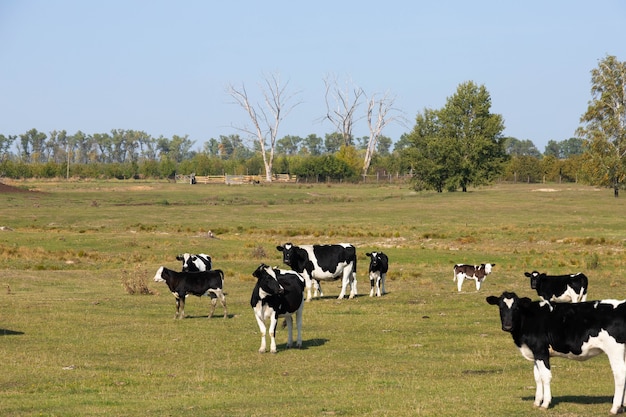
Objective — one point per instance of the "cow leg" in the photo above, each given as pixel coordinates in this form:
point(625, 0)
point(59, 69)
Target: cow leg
point(213, 304)
point(459, 281)
point(273, 323)
point(543, 376)
point(353, 285)
point(223, 301)
point(308, 283)
point(478, 282)
point(289, 322)
point(344, 286)
point(383, 278)
point(299, 325)
point(617, 355)
point(318, 289)
point(374, 283)
point(262, 329)
point(177, 308)
point(181, 308)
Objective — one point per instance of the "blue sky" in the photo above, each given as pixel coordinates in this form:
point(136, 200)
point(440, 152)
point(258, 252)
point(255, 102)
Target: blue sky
point(164, 66)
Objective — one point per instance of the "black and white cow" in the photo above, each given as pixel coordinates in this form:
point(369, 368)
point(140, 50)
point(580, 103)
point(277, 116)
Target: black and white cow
point(184, 284)
point(379, 265)
point(559, 288)
point(277, 293)
point(195, 263)
point(323, 263)
point(476, 272)
point(574, 331)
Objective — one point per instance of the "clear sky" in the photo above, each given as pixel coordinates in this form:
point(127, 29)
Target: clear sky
point(164, 66)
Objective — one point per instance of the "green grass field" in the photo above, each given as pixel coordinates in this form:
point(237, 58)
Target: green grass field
point(74, 342)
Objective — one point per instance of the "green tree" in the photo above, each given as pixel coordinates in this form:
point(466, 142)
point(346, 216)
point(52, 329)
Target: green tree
point(604, 124)
point(5, 145)
point(516, 147)
point(459, 145)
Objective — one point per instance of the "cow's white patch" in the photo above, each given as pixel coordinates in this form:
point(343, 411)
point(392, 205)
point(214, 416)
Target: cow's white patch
point(158, 277)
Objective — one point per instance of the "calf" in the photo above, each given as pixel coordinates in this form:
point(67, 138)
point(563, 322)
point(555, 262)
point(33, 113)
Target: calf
point(559, 288)
point(183, 284)
point(323, 262)
point(575, 331)
point(476, 272)
point(277, 293)
point(379, 264)
point(195, 263)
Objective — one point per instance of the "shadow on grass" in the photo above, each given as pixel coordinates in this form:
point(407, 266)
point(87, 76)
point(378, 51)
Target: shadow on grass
point(577, 399)
point(306, 344)
point(6, 332)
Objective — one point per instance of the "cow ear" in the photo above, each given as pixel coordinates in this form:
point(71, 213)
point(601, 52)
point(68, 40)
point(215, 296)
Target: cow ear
point(528, 274)
point(179, 257)
point(368, 254)
point(279, 248)
point(493, 300)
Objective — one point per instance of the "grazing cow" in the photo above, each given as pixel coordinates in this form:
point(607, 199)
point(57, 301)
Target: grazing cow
point(323, 262)
point(559, 288)
point(574, 331)
point(476, 272)
point(379, 264)
point(195, 263)
point(183, 284)
point(277, 293)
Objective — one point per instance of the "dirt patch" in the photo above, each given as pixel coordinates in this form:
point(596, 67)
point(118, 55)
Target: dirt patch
point(4, 188)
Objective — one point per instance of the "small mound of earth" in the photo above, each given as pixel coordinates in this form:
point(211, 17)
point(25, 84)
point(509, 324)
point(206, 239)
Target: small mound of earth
point(4, 188)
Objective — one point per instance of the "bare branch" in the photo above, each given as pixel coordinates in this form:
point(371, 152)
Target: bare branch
point(265, 119)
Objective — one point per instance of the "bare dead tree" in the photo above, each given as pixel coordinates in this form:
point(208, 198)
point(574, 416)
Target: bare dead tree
point(380, 112)
point(345, 102)
point(265, 118)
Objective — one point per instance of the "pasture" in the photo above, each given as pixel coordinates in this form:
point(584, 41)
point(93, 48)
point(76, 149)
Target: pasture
point(74, 342)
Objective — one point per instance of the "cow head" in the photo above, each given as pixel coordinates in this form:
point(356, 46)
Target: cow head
point(288, 251)
point(488, 268)
point(267, 281)
point(534, 278)
point(195, 263)
point(376, 260)
point(510, 305)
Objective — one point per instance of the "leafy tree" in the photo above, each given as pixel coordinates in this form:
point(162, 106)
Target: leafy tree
point(564, 149)
point(604, 124)
point(5, 145)
point(459, 145)
point(288, 145)
point(312, 144)
point(514, 146)
point(334, 141)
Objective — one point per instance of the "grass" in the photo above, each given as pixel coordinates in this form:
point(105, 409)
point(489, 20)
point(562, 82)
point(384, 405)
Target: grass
point(74, 342)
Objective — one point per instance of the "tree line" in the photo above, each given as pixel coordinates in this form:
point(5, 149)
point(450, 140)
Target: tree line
point(135, 154)
point(452, 148)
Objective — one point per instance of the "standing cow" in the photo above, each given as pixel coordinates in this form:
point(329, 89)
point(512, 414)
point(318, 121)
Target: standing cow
point(579, 331)
point(559, 288)
point(379, 265)
point(184, 284)
point(277, 293)
point(476, 272)
point(323, 262)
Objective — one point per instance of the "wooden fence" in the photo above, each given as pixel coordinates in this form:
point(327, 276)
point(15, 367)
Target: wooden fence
point(231, 179)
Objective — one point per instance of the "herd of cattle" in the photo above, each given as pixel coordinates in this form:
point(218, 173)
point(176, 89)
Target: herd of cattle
point(561, 323)
point(278, 292)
